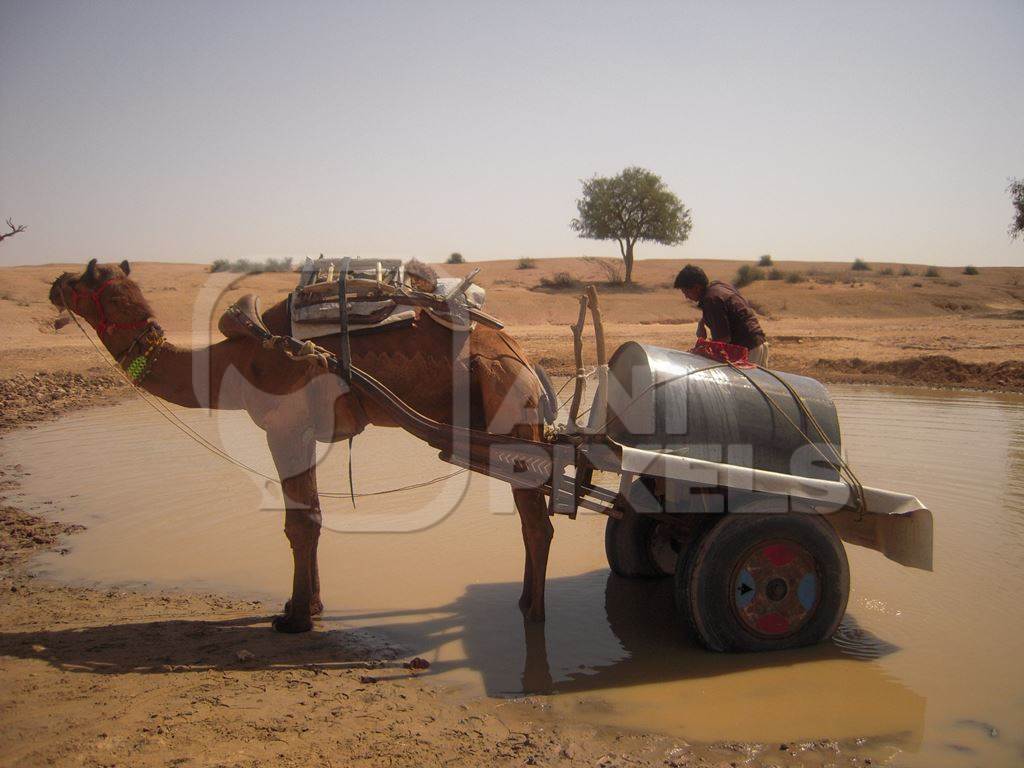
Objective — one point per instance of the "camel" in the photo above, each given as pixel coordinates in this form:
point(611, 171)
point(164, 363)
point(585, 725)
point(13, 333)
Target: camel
point(297, 403)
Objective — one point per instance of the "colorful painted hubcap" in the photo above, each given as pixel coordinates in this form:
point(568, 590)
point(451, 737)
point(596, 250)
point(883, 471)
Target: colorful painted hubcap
point(776, 588)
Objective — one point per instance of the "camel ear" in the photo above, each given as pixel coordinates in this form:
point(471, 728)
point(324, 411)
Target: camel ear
point(125, 267)
point(90, 270)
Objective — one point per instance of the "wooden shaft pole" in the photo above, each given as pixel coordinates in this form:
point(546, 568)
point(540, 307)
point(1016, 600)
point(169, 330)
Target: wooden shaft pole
point(577, 348)
point(599, 410)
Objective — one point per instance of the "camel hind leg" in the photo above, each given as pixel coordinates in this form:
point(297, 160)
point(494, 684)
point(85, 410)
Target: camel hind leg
point(537, 535)
point(511, 397)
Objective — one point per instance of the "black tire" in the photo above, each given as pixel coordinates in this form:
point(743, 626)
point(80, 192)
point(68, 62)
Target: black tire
point(632, 543)
point(643, 544)
point(681, 589)
point(764, 582)
point(628, 546)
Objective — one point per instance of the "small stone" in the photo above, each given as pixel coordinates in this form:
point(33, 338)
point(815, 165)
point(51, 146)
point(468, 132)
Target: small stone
point(243, 655)
point(367, 680)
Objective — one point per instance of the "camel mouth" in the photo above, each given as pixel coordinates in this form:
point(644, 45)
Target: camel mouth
point(59, 289)
point(58, 293)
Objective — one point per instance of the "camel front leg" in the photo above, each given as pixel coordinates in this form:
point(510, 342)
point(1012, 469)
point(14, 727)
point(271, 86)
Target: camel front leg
point(294, 455)
point(537, 535)
point(316, 606)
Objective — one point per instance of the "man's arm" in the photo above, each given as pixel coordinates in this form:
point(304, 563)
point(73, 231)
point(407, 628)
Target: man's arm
point(702, 331)
point(716, 317)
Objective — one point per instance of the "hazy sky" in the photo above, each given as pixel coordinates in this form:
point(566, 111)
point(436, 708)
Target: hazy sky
point(201, 130)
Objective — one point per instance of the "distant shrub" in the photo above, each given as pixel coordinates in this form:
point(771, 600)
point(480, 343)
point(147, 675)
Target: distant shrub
point(917, 285)
point(776, 274)
point(252, 267)
point(906, 272)
point(794, 277)
point(560, 281)
point(886, 271)
point(612, 269)
point(747, 274)
point(456, 258)
point(931, 272)
point(969, 270)
point(277, 265)
point(765, 261)
point(860, 265)
point(827, 278)
point(526, 263)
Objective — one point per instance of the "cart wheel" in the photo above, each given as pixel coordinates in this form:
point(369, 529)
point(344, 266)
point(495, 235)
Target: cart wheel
point(762, 582)
point(637, 547)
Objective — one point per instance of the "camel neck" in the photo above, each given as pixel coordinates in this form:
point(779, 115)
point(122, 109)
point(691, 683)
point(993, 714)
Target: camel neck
point(170, 376)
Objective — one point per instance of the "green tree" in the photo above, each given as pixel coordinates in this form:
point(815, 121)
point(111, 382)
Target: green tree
point(1016, 190)
point(635, 205)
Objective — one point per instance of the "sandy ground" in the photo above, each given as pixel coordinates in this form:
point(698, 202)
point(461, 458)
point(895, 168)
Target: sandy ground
point(100, 677)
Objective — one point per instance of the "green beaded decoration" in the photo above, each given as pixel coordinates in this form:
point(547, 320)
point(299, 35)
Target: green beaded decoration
point(137, 367)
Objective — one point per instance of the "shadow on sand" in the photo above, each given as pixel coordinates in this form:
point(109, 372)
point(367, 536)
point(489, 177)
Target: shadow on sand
point(635, 639)
point(615, 645)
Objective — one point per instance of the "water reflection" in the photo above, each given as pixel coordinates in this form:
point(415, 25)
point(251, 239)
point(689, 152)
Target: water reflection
point(638, 643)
point(1015, 465)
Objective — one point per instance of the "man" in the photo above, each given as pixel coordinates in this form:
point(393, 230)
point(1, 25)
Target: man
point(727, 316)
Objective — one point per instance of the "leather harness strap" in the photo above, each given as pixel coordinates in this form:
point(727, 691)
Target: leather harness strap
point(102, 326)
point(345, 358)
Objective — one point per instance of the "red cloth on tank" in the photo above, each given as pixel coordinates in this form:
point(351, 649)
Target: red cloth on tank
point(723, 352)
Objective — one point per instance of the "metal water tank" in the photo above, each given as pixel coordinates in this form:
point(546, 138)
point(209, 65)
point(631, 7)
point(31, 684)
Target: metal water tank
point(682, 403)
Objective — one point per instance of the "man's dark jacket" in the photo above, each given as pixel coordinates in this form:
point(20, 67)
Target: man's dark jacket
point(728, 317)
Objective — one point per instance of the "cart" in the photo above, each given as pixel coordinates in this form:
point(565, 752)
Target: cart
point(728, 479)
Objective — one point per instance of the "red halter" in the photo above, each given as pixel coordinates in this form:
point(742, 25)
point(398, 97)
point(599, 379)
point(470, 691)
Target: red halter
point(102, 326)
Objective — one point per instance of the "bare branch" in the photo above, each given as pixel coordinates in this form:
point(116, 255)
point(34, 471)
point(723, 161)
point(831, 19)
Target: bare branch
point(14, 230)
point(612, 269)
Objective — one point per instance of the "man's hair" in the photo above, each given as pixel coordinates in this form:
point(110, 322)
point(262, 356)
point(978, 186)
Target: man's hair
point(690, 276)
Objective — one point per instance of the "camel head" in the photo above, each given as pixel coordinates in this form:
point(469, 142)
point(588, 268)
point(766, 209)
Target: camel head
point(104, 296)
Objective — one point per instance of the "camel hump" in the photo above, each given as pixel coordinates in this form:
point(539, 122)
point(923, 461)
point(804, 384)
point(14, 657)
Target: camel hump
point(242, 319)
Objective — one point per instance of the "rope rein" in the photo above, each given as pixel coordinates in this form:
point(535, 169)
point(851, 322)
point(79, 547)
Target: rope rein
point(838, 464)
point(140, 366)
point(168, 415)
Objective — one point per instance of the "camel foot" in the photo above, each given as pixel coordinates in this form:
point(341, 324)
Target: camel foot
point(292, 625)
point(315, 608)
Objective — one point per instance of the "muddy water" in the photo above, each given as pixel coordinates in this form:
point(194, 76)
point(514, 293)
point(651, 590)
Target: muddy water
point(926, 665)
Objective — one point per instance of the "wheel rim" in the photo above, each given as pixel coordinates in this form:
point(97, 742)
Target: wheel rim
point(775, 588)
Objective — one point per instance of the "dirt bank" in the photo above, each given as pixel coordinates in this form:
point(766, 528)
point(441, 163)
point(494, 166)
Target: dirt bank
point(25, 399)
point(1008, 375)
